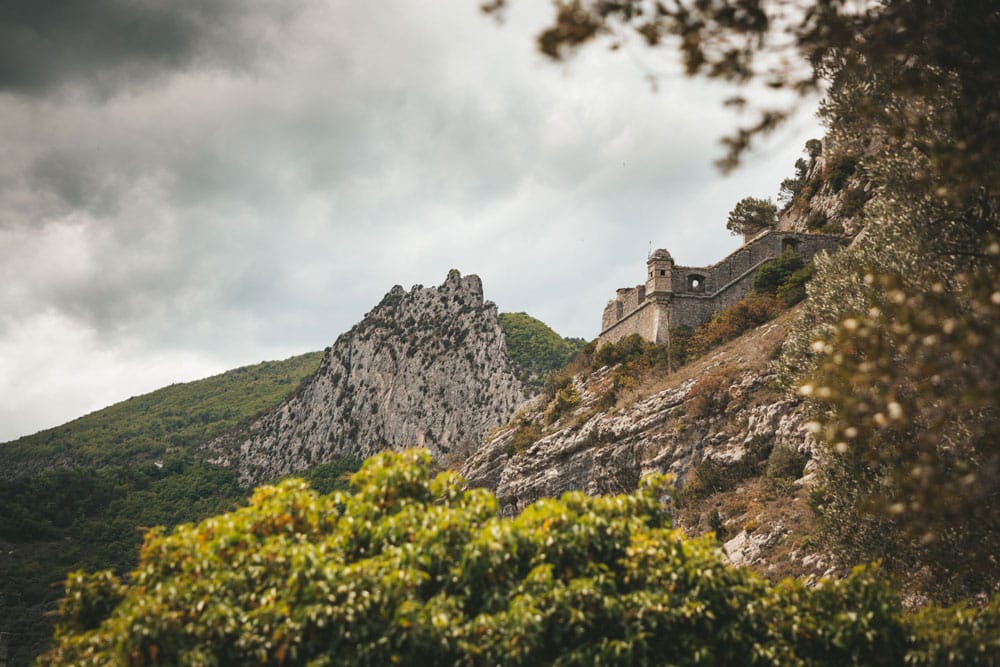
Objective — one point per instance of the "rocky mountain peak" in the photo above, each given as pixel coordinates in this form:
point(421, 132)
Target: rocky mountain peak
point(427, 367)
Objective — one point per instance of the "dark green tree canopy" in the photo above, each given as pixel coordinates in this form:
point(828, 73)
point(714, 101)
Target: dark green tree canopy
point(751, 215)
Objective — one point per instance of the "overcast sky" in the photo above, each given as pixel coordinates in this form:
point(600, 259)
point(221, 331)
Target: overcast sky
point(191, 186)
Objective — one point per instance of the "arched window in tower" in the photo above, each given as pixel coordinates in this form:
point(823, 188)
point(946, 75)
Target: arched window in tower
point(696, 282)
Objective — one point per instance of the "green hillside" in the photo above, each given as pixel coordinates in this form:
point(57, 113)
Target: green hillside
point(145, 428)
point(535, 348)
point(118, 470)
point(79, 495)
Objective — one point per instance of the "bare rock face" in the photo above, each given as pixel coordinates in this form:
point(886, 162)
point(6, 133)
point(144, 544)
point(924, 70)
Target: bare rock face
point(428, 368)
point(609, 451)
point(722, 416)
point(599, 450)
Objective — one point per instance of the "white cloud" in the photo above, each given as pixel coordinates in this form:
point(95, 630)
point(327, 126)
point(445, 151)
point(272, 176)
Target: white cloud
point(54, 370)
point(225, 215)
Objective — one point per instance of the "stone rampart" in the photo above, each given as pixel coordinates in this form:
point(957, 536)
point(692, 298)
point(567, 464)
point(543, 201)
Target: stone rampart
point(698, 292)
point(650, 320)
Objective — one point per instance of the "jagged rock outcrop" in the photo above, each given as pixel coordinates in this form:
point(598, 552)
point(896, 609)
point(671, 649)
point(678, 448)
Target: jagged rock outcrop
point(606, 450)
point(722, 415)
point(427, 368)
point(833, 196)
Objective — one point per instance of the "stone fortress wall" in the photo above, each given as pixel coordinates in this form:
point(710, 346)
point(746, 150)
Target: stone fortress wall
point(687, 296)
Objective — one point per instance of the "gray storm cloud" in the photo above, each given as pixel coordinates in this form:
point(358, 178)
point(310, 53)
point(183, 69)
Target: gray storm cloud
point(102, 46)
point(189, 186)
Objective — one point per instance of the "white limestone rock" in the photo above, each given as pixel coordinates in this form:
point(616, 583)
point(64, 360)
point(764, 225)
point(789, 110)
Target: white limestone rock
point(608, 451)
point(428, 368)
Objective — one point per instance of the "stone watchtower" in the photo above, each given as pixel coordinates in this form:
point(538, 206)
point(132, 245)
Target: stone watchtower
point(659, 295)
point(687, 296)
point(643, 309)
point(660, 273)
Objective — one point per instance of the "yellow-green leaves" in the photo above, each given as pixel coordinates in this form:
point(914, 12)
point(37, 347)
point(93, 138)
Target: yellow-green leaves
point(412, 569)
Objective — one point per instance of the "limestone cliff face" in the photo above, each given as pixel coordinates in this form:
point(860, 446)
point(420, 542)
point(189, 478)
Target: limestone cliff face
point(427, 367)
point(606, 450)
point(723, 409)
point(833, 198)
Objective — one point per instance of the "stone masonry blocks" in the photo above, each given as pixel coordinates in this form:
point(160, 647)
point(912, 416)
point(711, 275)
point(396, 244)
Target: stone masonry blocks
point(696, 293)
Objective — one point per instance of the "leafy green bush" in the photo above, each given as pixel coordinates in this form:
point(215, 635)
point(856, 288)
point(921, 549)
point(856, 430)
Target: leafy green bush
point(785, 462)
point(526, 435)
point(774, 273)
point(708, 396)
point(413, 569)
point(793, 289)
point(834, 227)
point(816, 221)
point(854, 201)
point(717, 525)
point(679, 338)
point(331, 476)
point(632, 348)
point(94, 597)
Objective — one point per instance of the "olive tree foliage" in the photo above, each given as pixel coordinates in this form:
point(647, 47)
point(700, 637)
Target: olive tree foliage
point(900, 347)
point(898, 343)
point(751, 215)
point(414, 569)
point(791, 188)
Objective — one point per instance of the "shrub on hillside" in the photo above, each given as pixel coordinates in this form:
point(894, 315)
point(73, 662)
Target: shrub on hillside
point(527, 434)
point(679, 338)
point(840, 169)
point(854, 200)
point(793, 289)
point(816, 221)
point(565, 400)
point(414, 569)
point(774, 273)
point(785, 462)
point(708, 396)
point(632, 348)
point(733, 321)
